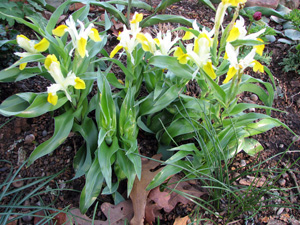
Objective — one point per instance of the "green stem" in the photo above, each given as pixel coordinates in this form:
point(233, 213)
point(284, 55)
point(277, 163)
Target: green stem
point(128, 13)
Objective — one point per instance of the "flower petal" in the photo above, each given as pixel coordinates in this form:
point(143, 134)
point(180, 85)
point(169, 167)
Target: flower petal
point(82, 47)
point(258, 67)
point(233, 34)
point(52, 99)
point(60, 30)
point(42, 46)
point(80, 84)
point(137, 17)
point(115, 50)
point(231, 72)
point(94, 35)
point(50, 59)
point(209, 70)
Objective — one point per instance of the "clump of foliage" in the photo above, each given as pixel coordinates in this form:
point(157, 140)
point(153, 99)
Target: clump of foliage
point(292, 61)
point(7, 50)
point(20, 10)
point(294, 17)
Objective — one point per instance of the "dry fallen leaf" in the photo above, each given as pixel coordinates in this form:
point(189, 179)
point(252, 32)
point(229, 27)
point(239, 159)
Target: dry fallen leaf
point(249, 180)
point(167, 200)
point(117, 214)
point(139, 193)
point(181, 221)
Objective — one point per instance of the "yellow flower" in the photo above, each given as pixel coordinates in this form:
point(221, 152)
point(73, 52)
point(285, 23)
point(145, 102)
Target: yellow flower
point(148, 43)
point(239, 65)
point(234, 2)
point(181, 56)
point(137, 17)
point(61, 83)
point(239, 32)
point(79, 38)
point(31, 47)
point(259, 48)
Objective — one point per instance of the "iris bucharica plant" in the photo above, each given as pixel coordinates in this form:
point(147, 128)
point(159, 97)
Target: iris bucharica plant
point(163, 65)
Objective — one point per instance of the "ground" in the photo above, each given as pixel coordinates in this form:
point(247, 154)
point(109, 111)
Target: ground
point(19, 137)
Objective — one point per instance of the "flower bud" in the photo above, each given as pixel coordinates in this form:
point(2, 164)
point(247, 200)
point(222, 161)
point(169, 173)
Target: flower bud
point(257, 16)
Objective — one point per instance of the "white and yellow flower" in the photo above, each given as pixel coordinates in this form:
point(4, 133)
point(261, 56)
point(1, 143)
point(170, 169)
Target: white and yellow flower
point(221, 10)
point(238, 66)
point(199, 53)
point(239, 32)
point(128, 38)
point(165, 43)
point(148, 43)
point(79, 39)
point(61, 83)
point(31, 47)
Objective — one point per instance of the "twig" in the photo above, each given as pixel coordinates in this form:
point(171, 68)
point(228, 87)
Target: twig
point(292, 175)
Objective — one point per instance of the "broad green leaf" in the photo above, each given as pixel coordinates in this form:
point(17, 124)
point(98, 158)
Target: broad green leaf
point(252, 146)
point(166, 19)
point(172, 64)
point(31, 58)
point(83, 158)
point(15, 74)
point(150, 106)
point(62, 128)
point(105, 158)
point(29, 104)
point(55, 16)
point(167, 171)
point(208, 3)
point(265, 11)
point(292, 34)
point(92, 188)
point(164, 4)
point(262, 126)
point(137, 4)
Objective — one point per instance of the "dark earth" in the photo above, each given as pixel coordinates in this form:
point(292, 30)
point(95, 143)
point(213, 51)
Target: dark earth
point(19, 137)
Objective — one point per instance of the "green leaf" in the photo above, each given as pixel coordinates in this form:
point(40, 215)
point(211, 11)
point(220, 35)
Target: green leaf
point(137, 4)
point(29, 104)
point(150, 106)
point(106, 159)
point(208, 3)
point(62, 128)
point(166, 19)
point(252, 146)
point(83, 158)
point(15, 74)
point(265, 11)
point(166, 172)
point(55, 16)
point(92, 188)
point(31, 58)
point(164, 4)
point(172, 64)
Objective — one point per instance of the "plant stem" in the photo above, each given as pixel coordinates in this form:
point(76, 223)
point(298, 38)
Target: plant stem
point(128, 13)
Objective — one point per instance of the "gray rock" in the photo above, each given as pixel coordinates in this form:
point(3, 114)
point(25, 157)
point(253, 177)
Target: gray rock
point(292, 4)
point(263, 3)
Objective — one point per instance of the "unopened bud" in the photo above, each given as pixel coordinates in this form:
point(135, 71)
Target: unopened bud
point(257, 16)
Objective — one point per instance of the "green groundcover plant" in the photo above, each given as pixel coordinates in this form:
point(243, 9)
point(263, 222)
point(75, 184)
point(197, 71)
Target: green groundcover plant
point(69, 56)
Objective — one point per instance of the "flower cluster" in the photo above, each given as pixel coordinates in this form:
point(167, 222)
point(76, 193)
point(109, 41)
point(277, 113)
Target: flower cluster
point(79, 42)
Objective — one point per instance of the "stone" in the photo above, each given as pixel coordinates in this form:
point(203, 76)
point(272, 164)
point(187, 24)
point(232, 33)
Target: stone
point(263, 3)
point(275, 222)
point(292, 4)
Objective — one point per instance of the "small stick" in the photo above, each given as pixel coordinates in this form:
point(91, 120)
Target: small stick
point(292, 175)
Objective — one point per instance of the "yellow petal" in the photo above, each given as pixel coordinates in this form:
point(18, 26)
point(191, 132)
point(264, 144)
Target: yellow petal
point(233, 35)
point(183, 59)
point(50, 59)
point(82, 47)
point(120, 81)
point(52, 98)
point(259, 48)
point(157, 41)
point(94, 35)
point(42, 46)
point(80, 84)
point(209, 70)
point(178, 52)
point(233, 2)
point(115, 50)
point(258, 67)
point(188, 35)
point(22, 66)
point(23, 36)
point(141, 37)
point(225, 56)
point(231, 72)
point(137, 18)
point(60, 30)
